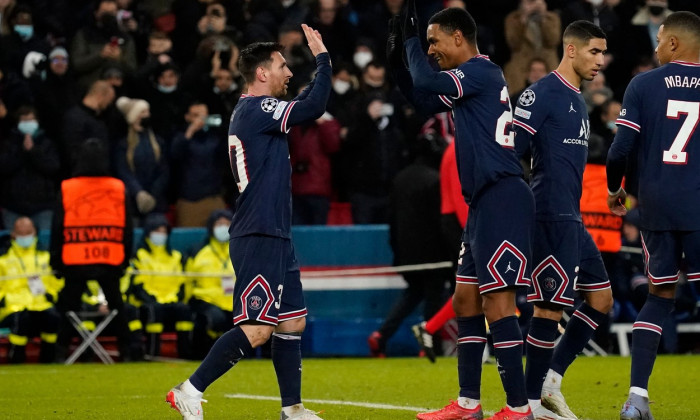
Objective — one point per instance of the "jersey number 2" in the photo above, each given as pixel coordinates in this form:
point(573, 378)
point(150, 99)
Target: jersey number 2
point(675, 155)
point(504, 125)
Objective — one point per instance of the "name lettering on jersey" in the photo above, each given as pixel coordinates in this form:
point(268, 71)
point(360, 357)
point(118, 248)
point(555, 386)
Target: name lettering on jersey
point(623, 112)
point(459, 73)
point(279, 110)
point(527, 98)
point(522, 113)
point(682, 82)
point(268, 104)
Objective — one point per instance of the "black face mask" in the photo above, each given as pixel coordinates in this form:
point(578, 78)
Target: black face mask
point(656, 10)
point(146, 122)
point(108, 23)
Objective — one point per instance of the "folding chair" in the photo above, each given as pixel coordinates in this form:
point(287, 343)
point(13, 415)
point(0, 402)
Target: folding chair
point(90, 338)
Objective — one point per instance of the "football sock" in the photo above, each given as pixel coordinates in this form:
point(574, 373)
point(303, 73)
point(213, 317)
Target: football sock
point(540, 346)
point(468, 403)
point(445, 314)
point(286, 357)
point(508, 349)
point(228, 350)
point(646, 334)
point(579, 331)
point(470, 348)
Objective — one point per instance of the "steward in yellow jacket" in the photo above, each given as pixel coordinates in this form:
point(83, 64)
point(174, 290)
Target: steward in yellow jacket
point(212, 295)
point(28, 290)
point(158, 288)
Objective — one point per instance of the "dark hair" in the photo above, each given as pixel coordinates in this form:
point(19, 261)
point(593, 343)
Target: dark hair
point(583, 31)
point(686, 21)
point(25, 110)
point(455, 18)
point(255, 55)
point(92, 159)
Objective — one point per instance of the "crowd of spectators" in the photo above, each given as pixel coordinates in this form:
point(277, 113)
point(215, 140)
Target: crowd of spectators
point(157, 80)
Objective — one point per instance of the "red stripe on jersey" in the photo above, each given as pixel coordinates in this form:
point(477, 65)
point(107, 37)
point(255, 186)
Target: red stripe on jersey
point(524, 126)
point(565, 82)
point(445, 100)
point(460, 92)
point(686, 63)
point(627, 123)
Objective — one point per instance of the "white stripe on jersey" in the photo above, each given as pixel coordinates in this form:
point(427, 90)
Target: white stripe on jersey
point(286, 117)
point(460, 92)
point(238, 164)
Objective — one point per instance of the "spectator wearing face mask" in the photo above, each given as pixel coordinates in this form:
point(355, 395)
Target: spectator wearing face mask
point(224, 93)
point(27, 299)
point(168, 102)
point(102, 44)
point(22, 40)
point(159, 292)
point(158, 52)
point(140, 159)
point(644, 26)
point(29, 168)
point(212, 296)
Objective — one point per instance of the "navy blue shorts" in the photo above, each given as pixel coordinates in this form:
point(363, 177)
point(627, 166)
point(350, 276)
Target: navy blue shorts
point(496, 246)
point(268, 282)
point(663, 252)
point(566, 260)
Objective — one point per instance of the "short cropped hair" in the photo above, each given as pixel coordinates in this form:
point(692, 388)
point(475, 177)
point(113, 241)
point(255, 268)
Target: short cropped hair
point(684, 21)
point(455, 18)
point(255, 55)
point(583, 31)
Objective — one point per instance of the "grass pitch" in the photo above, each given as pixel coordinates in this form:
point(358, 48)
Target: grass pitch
point(343, 388)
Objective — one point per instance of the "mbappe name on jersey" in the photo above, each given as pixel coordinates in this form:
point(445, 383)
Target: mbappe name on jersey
point(682, 82)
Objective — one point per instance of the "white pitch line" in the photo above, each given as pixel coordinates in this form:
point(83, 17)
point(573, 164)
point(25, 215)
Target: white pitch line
point(332, 402)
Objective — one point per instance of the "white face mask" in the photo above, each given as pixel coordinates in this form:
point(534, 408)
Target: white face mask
point(221, 233)
point(361, 59)
point(341, 86)
point(158, 238)
point(25, 241)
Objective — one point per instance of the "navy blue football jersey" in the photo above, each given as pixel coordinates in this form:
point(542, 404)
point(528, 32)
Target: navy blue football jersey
point(551, 119)
point(477, 94)
point(660, 114)
point(259, 154)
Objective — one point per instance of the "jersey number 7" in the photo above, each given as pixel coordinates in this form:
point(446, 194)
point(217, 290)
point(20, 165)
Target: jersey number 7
point(675, 155)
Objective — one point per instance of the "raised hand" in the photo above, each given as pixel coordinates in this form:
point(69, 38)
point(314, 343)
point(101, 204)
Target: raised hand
point(313, 37)
point(410, 25)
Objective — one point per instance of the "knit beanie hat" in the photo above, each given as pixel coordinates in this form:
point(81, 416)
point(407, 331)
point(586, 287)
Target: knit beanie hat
point(131, 108)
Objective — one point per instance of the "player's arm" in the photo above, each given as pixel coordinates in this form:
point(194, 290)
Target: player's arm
point(427, 79)
point(313, 100)
point(528, 117)
point(627, 134)
point(522, 139)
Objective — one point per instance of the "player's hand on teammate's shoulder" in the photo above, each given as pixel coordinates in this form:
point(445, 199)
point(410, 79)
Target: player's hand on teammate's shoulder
point(313, 37)
point(616, 202)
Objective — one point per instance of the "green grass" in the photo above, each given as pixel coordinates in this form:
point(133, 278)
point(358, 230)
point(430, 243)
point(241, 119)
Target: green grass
point(595, 389)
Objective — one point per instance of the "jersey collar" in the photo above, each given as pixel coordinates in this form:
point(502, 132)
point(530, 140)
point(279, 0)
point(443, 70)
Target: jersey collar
point(245, 95)
point(565, 82)
point(485, 57)
point(685, 63)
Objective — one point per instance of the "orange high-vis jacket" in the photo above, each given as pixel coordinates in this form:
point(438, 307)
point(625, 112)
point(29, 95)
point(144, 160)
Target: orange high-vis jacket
point(94, 221)
point(603, 226)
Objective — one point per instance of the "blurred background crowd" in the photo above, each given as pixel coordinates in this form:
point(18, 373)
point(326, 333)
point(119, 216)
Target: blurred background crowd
point(157, 80)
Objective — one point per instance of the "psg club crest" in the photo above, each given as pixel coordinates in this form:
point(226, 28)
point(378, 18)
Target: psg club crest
point(268, 104)
point(255, 303)
point(549, 284)
point(527, 98)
